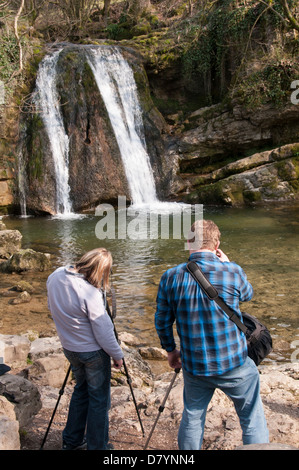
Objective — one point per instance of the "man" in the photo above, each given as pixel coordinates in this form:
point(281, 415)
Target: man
point(213, 351)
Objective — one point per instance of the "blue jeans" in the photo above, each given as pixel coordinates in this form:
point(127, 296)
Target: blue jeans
point(242, 386)
point(90, 402)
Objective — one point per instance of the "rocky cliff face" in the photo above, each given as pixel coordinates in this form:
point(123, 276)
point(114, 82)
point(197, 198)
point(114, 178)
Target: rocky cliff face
point(236, 156)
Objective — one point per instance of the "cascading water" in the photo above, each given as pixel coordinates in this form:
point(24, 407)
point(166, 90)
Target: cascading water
point(47, 102)
point(116, 83)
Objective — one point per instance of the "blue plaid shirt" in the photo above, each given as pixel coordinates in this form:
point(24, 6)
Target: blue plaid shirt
point(210, 343)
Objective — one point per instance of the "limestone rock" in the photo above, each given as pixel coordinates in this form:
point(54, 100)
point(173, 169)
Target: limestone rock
point(153, 353)
point(49, 370)
point(138, 369)
point(23, 394)
point(26, 260)
point(10, 242)
point(92, 141)
point(23, 297)
point(9, 426)
point(14, 349)
point(42, 347)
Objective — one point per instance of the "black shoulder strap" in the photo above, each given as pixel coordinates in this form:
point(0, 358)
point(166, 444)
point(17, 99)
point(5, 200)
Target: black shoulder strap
point(212, 293)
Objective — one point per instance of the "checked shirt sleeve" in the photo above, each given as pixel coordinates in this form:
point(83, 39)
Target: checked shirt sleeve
point(164, 317)
point(246, 290)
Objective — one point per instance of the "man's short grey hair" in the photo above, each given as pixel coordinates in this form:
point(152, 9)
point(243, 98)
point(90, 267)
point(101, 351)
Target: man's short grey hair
point(204, 234)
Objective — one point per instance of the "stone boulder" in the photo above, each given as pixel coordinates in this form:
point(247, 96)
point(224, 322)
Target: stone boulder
point(9, 426)
point(6, 179)
point(2, 224)
point(153, 353)
point(48, 371)
point(138, 369)
point(216, 163)
point(26, 260)
point(14, 350)
point(10, 242)
point(43, 347)
point(92, 142)
point(24, 396)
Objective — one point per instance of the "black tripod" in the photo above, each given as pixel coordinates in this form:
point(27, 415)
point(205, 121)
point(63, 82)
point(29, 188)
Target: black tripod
point(61, 392)
point(129, 380)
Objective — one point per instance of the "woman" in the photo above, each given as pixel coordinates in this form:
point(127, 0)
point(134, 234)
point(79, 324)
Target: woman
point(76, 299)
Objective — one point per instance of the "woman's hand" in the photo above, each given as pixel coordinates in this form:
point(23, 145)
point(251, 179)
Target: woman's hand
point(117, 364)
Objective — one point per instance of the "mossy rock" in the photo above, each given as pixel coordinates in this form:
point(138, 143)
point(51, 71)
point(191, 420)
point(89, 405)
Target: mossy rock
point(26, 260)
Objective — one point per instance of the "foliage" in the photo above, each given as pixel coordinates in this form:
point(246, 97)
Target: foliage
point(271, 84)
point(225, 38)
point(9, 56)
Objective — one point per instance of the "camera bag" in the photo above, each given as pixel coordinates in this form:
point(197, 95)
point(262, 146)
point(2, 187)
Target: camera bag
point(259, 341)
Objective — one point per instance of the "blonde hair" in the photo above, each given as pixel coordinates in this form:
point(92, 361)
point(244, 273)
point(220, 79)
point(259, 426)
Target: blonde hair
point(96, 266)
point(206, 233)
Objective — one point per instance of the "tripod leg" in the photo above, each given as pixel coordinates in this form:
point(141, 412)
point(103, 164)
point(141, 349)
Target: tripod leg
point(161, 407)
point(61, 392)
point(132, 393)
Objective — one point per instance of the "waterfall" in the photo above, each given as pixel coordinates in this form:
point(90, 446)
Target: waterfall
point(47, 102)
point(22, 184)
point(116, 83)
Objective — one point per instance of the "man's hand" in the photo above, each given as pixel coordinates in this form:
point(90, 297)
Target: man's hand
point(222, 256)
point(174, 359)
point(117, 364)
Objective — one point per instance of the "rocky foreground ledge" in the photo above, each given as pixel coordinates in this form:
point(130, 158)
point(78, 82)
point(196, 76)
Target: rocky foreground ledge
point(29, 392)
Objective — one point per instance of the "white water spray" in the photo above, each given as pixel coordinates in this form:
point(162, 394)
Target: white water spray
point(47, 102)
point(116, 83)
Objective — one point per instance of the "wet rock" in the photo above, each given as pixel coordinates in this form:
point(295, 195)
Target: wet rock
point(128, 338)
point(23, 286)
point(26, 260)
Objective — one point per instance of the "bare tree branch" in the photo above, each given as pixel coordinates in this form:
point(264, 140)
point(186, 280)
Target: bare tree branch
point(289, 15)
point(17, 35)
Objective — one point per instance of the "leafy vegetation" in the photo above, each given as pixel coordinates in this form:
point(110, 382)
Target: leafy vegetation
point(233, 49)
